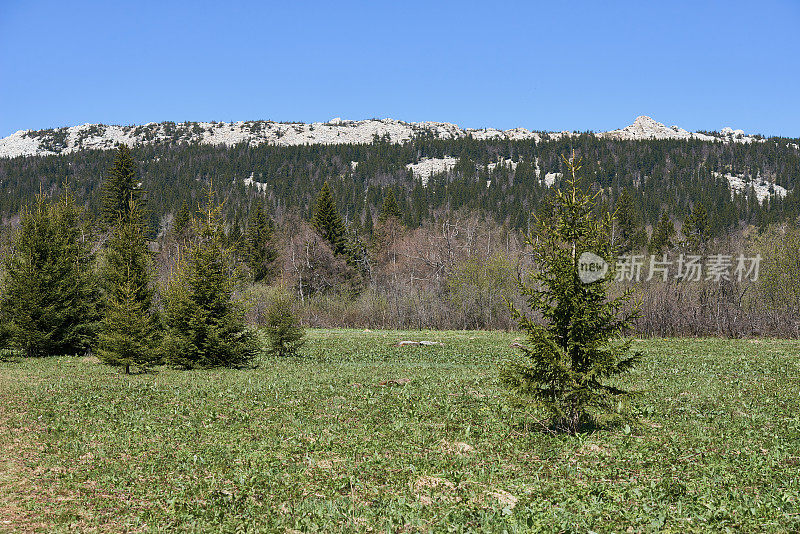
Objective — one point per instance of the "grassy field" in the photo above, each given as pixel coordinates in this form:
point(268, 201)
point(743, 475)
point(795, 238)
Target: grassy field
point(361, 435)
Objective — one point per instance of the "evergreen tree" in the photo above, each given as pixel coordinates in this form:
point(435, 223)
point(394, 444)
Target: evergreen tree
point(50, 289)
point(129, 327)
point(286, 335)
point(567, 360)
point(204, 324)
point(259, 243)
point(234, 236)
point(327, 221)
point(662, 235)
point(182, 221)
point(369, 224)
point(696, 228)
point(631, 233)
point(119, 187)
point(390, 207)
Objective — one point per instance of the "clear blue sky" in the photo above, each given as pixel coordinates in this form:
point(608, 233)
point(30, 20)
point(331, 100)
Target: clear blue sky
point(552, 65)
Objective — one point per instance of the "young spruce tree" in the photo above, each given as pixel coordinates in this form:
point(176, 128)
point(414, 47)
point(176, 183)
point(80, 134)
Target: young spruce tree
point(286, 335)
point(204, 323)
point(390, 208)
point(662, 235)
point(567, 361)
point(50, 295)
point(327, 221)
point(119, 187)
point(259, 245)
point(129, 328)
point(696, 228)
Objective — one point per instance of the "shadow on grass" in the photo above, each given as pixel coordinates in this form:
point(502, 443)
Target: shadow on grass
point(587, 425)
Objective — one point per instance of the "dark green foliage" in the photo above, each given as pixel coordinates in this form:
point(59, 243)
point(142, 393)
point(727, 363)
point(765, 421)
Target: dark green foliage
point(327, 221)
point(260, 250)
point(204, 324)
point(390, 207)
point(182, 221)
point(662, 235)
point(5, 333)
point(567, 361)
point(129, 328)
point(119, 187)
point(286, 335)
point(631, 233)
point(50, 289)
point(696, 228)
point(662, 175)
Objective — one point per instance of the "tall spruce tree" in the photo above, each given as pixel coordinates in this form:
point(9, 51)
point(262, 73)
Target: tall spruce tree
point(662, 235)
point(129, 328)
point(50, 297)
point(119, 187)
point(567, 361)
point(390, 207)
point(204, 323)
point(696, 228)
point(182, 220)
point(631, 233)
point(327, 221)
point(259, 244)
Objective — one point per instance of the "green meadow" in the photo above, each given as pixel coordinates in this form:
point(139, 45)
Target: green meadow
point(360, 435)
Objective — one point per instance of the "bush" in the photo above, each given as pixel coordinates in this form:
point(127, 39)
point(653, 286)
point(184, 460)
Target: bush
point(286, 335)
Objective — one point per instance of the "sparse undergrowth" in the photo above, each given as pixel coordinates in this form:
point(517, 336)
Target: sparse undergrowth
point(363, 435)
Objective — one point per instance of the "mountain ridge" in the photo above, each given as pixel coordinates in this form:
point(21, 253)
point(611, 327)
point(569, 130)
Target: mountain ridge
point(336, 131)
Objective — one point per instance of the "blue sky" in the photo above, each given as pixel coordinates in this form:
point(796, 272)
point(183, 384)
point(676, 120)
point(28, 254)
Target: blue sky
point(553, 65)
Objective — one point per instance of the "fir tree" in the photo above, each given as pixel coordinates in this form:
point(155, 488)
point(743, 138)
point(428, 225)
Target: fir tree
point(369, 224)
point(696, 228)
point(182, 221)
point(286, 335)
point(327, 221)
point(119, 187)
point(129, 328)
point(632, 235)
point(259, 244)
point(390, 207)
point(204, 324)
point(567, 361)
point(50, 289)
point(662, 235)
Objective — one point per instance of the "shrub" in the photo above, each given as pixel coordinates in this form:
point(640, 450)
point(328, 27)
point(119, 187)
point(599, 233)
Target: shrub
point(286, 335)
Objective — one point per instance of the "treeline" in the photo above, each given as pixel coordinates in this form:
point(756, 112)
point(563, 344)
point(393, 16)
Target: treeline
point(453, 268)
point(500, 180)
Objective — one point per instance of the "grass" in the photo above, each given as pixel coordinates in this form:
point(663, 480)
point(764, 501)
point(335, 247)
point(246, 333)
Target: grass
point(320, 444)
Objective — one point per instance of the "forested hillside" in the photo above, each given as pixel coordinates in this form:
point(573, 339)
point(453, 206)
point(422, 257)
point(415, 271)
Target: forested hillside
point(502, 179)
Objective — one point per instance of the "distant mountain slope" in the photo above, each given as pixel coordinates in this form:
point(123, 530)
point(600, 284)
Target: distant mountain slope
point(337, 131)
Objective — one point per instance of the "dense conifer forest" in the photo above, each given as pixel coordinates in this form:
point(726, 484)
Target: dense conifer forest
point(503, 180)
point(357, 238)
